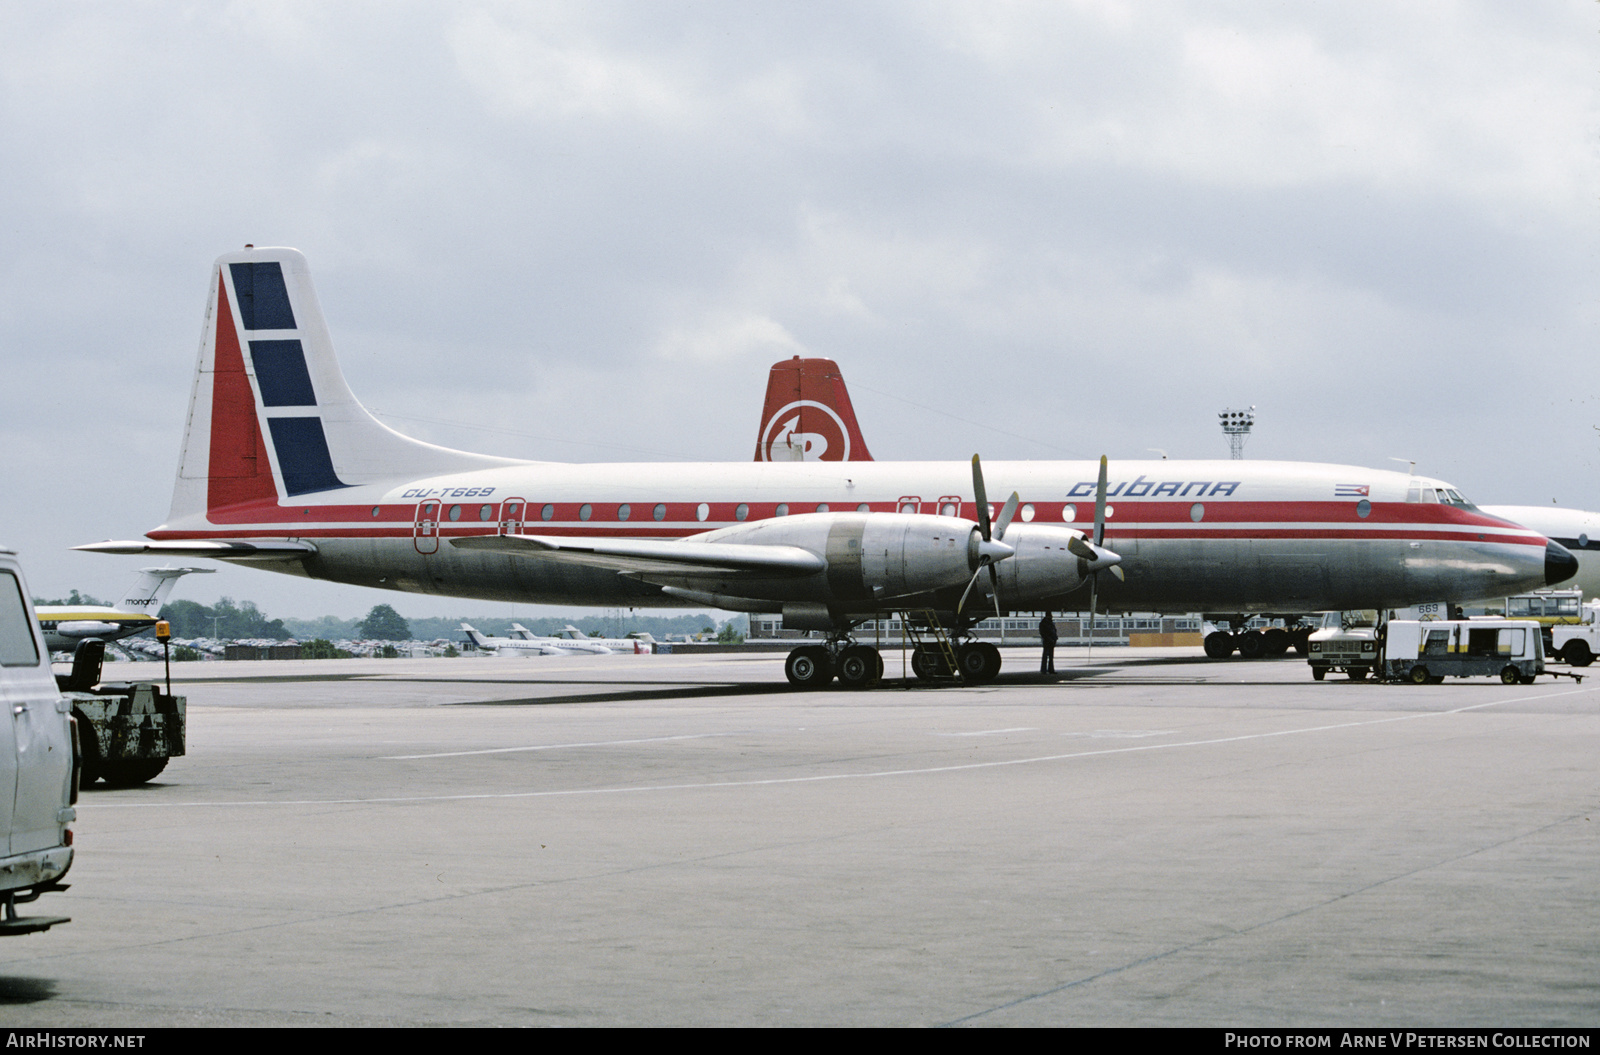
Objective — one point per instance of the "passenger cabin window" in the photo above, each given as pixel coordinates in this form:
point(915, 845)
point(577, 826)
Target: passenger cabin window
point(17, 648)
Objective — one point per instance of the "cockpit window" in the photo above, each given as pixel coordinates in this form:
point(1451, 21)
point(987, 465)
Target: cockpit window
point(17, 648)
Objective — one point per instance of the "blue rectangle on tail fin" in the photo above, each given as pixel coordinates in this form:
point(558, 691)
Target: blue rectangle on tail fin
point(281, 373)
point(303, 456)
point(263, 298)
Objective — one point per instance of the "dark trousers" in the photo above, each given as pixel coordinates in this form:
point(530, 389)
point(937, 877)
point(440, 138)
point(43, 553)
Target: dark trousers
point(1047, 662)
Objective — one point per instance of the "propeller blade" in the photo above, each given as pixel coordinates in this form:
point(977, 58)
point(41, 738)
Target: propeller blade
point(1116, 569)
point(982, 499)
point(962, 604)
point(1081, 549)
point(1100, 505)
point(994, 583)
point(1006, 514)
point(1094, 583)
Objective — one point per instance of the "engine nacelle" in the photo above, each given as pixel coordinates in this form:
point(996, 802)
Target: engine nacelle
point(86, 628)
point(872, 558)
point(1042, 567)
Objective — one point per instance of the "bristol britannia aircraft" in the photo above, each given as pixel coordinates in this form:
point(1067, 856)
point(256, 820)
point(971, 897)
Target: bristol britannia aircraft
point(807, 416)
point(282, 468)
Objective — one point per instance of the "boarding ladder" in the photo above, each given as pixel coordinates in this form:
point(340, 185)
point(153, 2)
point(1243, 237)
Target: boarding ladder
point(929, 638)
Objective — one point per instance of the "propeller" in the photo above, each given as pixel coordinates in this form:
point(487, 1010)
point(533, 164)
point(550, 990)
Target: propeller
point(991, 547)
point(1093, 558)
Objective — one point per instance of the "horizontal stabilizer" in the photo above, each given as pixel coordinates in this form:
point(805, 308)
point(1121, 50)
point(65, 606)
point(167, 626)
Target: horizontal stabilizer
point(649, 555)
point(269, 549)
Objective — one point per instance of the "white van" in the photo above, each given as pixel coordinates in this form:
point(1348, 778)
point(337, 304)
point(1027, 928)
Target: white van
point(38, 767)
point(1425, 653)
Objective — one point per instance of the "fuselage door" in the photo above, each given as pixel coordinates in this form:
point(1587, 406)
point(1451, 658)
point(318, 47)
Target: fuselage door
point(425, 534)
point(909, 504)
point(512, 512)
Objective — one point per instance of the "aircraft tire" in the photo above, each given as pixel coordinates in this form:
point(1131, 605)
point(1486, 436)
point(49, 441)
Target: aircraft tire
point(980, 661)
point(808, 667)
point(1219, 645)
point(860, 667)
point(1577, 654)
point(1510, 675)
point(1252, 644)
point(928, 664)
point(1419, 675)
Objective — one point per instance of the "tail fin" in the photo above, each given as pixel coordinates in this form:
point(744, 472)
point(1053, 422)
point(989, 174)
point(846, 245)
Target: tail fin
point(477, 638)
point(149, 591)
point(270, 415)
point(808, 416)
point(518, 630)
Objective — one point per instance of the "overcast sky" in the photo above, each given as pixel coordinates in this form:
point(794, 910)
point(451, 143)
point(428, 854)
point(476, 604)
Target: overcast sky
point(585, 231)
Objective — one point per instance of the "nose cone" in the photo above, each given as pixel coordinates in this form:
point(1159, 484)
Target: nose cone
point(1559, 564)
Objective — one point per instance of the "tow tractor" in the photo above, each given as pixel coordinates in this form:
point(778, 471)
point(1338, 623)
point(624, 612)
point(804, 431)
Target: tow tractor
point(128, 730)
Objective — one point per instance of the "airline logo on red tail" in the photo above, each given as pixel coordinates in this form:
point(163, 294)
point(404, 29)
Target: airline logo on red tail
point(785, 438)
point(807, 415)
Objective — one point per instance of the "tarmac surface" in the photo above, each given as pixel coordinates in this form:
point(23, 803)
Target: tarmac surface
point(1148, 838)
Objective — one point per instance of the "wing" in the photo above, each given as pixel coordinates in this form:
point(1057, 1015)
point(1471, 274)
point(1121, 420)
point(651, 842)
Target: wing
point(648, 558)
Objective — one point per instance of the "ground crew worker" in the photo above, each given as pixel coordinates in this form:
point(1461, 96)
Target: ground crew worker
point(1047, 634)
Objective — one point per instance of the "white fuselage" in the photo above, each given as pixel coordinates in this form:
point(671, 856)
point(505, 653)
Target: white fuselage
point(1217, 536)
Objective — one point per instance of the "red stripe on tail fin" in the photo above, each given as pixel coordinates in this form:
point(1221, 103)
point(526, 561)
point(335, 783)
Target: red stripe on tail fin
point(239, 468)
point(808, 416)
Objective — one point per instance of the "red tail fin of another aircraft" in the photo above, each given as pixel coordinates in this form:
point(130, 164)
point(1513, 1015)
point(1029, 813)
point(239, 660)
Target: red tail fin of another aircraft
point(808, 416)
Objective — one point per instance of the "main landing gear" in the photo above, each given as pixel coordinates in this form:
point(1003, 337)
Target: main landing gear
point(859, 666)
point(814, 666)
point(1259, 644)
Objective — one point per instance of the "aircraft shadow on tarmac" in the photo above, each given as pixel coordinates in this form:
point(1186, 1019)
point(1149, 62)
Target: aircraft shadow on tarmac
point(26, 990)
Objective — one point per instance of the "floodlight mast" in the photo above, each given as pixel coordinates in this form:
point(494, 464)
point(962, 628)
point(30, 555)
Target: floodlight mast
point(1236, 426)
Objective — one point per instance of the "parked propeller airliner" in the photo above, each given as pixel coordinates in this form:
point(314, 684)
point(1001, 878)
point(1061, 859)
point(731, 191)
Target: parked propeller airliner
point(807, 416)
point(282, 468)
